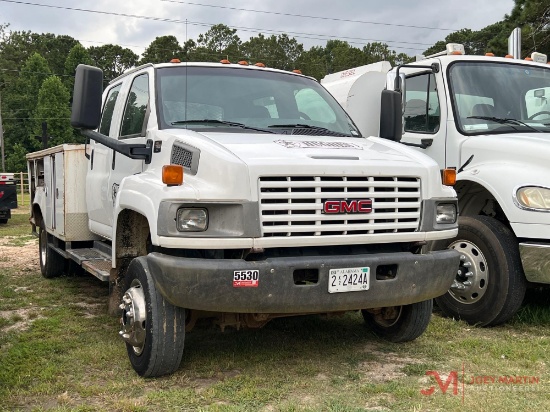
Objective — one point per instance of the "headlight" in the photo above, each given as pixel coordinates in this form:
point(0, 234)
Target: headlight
point(533, 197)
point(192, 220)
point(445, 213)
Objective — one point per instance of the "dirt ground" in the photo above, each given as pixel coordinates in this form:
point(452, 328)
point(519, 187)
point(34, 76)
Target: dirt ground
point(25, 257)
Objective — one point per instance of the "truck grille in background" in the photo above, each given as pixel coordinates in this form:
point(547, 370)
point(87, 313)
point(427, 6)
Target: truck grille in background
point(293, 205)
point(181, 156)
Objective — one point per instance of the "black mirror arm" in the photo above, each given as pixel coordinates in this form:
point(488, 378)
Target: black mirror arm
point(133, 151)
point(434, 68)
point(425, 143)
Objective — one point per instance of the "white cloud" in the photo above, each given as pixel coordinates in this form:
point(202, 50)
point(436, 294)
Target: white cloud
point(101, 28)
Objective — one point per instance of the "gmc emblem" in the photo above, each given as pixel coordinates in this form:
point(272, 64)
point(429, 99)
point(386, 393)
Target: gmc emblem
point(347, 206)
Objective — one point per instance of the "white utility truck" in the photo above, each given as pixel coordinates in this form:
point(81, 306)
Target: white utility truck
point(488, 118)
point(238, 193)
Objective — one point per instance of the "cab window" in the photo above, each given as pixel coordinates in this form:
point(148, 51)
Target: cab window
point(136, 107)
point(108, 109)
point(421, 113)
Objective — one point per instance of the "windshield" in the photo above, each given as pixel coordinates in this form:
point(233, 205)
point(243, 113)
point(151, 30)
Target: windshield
point(500, 97)
point(241, 100)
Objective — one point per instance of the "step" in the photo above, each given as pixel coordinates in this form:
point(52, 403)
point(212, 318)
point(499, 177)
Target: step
point(93, 260)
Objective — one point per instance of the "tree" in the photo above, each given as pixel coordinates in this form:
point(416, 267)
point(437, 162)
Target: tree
point(162, 50)
point(112, 59)
point(19, 106)
point(77, 55)
point(533, 16)
point(219, 42)
point(53, 108)
point(340, 55)
point(280, 52)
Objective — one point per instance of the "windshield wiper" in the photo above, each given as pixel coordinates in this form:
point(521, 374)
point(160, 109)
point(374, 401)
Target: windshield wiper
point(308, 126)
point(503, 120)
point(224, 122)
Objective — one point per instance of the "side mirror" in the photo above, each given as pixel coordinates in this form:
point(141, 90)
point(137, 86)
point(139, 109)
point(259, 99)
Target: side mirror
point(88, 88)
point(391, 119)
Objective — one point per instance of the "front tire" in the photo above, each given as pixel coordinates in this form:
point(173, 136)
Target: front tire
point(52, 264)
point(400, 323)
point(490, 285)
point(153, 329)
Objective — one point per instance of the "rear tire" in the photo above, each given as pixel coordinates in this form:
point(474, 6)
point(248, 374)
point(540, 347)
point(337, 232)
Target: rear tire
point(52, 264)
point(490, 285)
point(153, 329)
point(3, 221)
point(400, 323)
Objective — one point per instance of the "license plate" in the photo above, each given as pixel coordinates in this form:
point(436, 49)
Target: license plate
point(348, 280)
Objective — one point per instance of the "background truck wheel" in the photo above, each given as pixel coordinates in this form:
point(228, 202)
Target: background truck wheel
point(489, 285)
point(52, 264)
point(3, 221)
point(400, 323)
point(153, 329)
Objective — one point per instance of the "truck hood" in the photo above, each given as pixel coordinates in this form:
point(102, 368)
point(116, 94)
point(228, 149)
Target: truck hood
point(529, 148)
point(262, 149)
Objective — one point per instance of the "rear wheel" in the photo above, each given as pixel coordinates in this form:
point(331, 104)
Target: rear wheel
point(400, 323)
point(489, 286)
point(153, 329)
point(3, 221)
point(52, 264)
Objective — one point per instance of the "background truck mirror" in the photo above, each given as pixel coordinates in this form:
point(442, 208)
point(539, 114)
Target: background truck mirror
point(88, 88)
point(391, 120)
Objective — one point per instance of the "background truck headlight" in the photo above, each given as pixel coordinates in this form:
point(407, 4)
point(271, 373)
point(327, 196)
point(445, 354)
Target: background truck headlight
point(445, 213)
point(192, 220)
point(533, 197)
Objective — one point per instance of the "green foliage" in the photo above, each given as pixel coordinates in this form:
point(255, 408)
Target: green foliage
point(18, 108)
point(219, 42)
point(112, 59)
point(53, 108)
point(280, 52)
point(162, 50)
point(533, 16)
point(77, 55)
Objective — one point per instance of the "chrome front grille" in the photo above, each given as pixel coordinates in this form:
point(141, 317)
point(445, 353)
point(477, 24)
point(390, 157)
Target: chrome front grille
point(293, 205)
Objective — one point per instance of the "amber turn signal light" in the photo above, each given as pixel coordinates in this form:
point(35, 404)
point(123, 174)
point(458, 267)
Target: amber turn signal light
point(448, 176)
point(172, 175)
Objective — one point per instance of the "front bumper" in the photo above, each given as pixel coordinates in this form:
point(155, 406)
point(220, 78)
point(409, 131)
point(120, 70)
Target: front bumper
point(207, 284)
point(535, 258)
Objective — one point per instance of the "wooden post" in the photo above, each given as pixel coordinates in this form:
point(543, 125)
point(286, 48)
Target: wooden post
point(22, 188)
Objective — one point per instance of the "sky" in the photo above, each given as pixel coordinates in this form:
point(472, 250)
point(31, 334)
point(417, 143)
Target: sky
point(406, 26)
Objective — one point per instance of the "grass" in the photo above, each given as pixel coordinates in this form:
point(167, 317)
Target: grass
point(59, 351)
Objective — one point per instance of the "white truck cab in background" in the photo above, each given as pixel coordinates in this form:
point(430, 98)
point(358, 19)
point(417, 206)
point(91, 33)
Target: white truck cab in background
point(238, 193)
point(489, 118)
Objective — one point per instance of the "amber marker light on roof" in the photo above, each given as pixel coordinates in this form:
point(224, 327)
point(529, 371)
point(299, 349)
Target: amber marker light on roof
point(448, 176)
point(175, 61)
point(297, 71)
point(172, 175)
point(509, 56)
point(490, 54)
point(225, 61)
point(243, 63)
point(529, 59)
point(456, 53)
point(259, 64)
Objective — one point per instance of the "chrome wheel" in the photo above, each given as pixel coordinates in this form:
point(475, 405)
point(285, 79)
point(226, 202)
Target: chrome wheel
point(43, 244)
point(134, 317)
point(472, 276)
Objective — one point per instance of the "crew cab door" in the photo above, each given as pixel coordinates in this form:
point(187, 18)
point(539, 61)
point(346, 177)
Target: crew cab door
point(425, 114)
point(123, 118)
